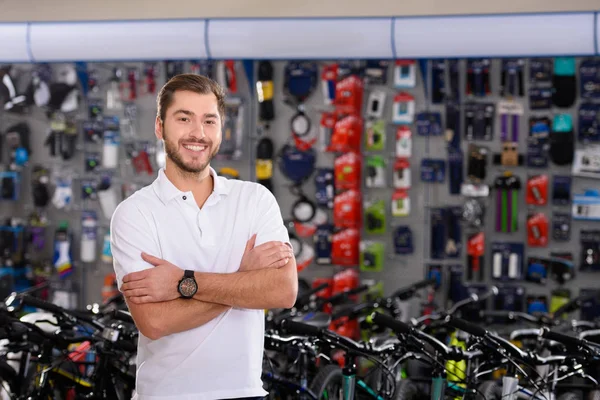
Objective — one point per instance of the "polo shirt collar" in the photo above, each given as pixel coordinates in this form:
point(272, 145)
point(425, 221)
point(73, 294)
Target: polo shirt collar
point(166, 191)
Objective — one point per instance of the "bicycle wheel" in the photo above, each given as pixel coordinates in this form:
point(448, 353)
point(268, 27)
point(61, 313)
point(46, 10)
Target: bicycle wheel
point(406, 390)
point(328, 383)
point(569, 396)
point(489, 390)
point(594, 395)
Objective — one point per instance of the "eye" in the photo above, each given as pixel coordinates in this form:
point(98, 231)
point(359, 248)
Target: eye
point(210, 122)
point(184, 119)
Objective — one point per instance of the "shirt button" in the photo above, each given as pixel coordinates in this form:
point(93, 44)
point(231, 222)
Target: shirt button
point(185, 197)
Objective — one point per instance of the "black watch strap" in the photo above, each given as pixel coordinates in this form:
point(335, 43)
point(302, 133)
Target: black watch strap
point(188, 273)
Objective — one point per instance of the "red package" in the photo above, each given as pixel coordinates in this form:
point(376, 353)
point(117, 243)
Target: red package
point(349, 95)
point(537, 230)
point(347, 209)
point(324, 293)
point(345, 280)
point(347, 170)
point(346, 135)
point(537, 190)
point(345, 247)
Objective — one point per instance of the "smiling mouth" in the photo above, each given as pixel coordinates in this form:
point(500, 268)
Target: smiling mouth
point(195, 147)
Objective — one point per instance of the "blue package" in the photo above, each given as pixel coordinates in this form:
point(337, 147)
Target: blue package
point(429, 124)
point(538, 142)
point(589, 124)
point(322, 239)
point(589, 79)
point(403, 240)
point(433, 170)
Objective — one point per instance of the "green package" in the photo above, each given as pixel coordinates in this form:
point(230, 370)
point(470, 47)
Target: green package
point(375, 217)
point(371, 256)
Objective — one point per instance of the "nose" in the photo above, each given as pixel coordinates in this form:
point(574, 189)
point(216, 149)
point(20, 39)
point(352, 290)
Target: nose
point(197, 131)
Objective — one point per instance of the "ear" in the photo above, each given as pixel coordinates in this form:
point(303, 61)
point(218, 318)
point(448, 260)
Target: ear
point(158, 131)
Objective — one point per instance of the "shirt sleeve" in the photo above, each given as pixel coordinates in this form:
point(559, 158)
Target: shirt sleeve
point(268, 223)
point(130, 235)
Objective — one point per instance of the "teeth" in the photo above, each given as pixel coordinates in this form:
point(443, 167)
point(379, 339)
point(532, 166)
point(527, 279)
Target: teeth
point(194, 148)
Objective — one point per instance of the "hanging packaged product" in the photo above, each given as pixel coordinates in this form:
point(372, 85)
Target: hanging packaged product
point(478, 77)
point(347, 209)
point(225, 74)
point(537, 270)
point(538, 142)
point(375, 104)
point(429, 124)
point(562, 140)
point(586, 162)
point(329, 77)
point(400, 203)
point(540, 98)
point(433, 171)
point(325, 188)
point(347, 169)
point(138, 155)
point(564, 82)
point(403, 142)
point(306, 215)
point(63, 258)
point(507, 260)
point(405, 74)
point(476, 172)
point(589, 79)
point(562, 267)
point(509, 156)
point(347, 135)
point(375, 174)
point(345, 247)
point(455, 170)
point(512, 80)
point(265, 150)
point(349, 95)
point(89, 189)
point(231, 147)
point(590, 250)
point(89, 228)
point(561, 190)
point(375, 135)
point(326, 129)
point(589, 122)
point(558, 298)
point(561, 227)
point(304, 253)
point(371, 256)
point(110, 150)
point(322, 240)
point(403, 111)
point(106, 249)
point(376, 72)
point(537, 190)
point(264, 92)
point(586, 206)
point(402, 174)
point(297, 166)
point(479, 121)
point(375, 217)
point(445, 232)
point(507, 202)
point(452, 132)
point(537, 230)
point(403, 240)
point(475, 254)
point(445, 79)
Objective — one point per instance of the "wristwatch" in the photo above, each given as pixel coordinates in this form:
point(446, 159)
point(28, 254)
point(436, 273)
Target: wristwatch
point(187, 286)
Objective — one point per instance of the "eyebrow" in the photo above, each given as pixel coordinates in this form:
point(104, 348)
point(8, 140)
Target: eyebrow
point(191, 113)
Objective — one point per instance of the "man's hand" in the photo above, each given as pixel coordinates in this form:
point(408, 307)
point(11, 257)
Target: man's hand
point(154, 284)
point(267, 255)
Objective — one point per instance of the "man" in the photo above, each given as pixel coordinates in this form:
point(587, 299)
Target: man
point(198, 258)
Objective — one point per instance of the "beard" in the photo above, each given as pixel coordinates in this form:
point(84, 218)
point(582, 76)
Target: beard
point(190, 167)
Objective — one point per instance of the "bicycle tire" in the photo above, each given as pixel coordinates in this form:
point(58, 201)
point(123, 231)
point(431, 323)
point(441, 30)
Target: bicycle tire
point(406, 390)
point(594, 395)
point(330, 374)
point(569, 396)
point(489, 390)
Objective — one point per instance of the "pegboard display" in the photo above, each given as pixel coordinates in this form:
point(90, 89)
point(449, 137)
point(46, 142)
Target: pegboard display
point(476, 171)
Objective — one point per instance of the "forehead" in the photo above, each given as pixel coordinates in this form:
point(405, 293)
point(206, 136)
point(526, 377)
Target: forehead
point(192, 101)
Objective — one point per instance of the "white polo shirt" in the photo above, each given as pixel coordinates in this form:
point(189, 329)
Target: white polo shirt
point(223, 358)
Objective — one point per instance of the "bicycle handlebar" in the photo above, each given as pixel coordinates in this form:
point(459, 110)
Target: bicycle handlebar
point(408, 291)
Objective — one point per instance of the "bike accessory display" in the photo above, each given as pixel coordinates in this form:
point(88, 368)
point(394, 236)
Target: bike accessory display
point(538, 270)
point(375, 104)
point(264, 91)
point(375, 174)
point(538, 142)
point(402, 174)
point(475, 256)
point(586, 162)
point(296, 165)
point(345, 247)
point(537, 230)
point(322, 240)
point(589, 258)
point(347, 135)
point(349, 95)
point(347, 209)
point(405, 74)
point(403, 142)
point(562, 140)
point(429, 124)
point(561, 227)
point(540, 88)
point(371, 256)
point(375, 222)
point(433, 171)
point(403, 110)
point(455, 170)
point(507, 202)
point(325, 187)
point(512, 79)
point(347, 170)
point(264, 162)
point(400, 203)
point(403, 240)
point(561, 190)
point(564, 82)
point(63, 258)
point(589, 79)
point(507, 260)
point(589, 122)
point(537, 190)
point(479, 121)
point(478, 77)
point(586, 206)
point(89, 230)
point(375, 135)
point(40, 190)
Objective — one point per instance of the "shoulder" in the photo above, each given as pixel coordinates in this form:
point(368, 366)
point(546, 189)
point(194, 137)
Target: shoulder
point(133, 208)
point(248, 190)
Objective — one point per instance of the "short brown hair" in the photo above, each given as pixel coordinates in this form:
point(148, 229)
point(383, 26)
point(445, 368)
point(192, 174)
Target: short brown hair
point(194, 83)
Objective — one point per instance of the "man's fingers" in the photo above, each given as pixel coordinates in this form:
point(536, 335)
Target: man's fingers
point(133, 285)
point(151, 259)
point(135, 292)
point(250, 243)
point(141, 299)
point(135, 276)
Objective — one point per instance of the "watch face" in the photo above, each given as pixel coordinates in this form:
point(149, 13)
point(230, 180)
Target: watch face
point(187, 287)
